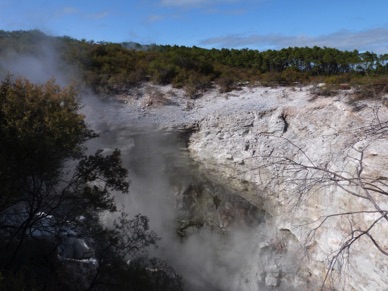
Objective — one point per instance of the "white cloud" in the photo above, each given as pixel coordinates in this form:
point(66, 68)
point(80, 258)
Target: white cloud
point(182, 2)
point(375, 40)
point(98, 15)
point(190, 3)
point(225, 11)
point(154, 18)
point(69, 10)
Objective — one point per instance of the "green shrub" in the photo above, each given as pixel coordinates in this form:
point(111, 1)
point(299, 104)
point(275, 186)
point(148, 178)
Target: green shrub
point(197, 84)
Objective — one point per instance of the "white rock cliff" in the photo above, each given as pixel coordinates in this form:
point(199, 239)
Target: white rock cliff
point(318, 166)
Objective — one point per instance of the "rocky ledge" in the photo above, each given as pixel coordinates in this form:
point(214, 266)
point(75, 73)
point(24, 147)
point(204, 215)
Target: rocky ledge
point(319, 167)
point(316, 165)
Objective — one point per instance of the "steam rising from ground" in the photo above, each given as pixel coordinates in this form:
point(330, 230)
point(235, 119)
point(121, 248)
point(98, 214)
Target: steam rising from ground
point(159, 171)
point(37, 66)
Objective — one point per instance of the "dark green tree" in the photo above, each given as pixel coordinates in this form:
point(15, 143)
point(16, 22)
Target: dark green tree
point(52, 192)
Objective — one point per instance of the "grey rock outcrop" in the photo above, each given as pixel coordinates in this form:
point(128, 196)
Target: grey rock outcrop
point(279, 158)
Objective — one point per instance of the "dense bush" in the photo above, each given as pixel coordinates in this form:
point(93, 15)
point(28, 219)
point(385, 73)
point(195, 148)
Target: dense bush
point(111, 68)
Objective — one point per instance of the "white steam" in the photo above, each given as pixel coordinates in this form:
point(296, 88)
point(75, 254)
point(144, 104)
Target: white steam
point(38, 66)
point(208, 260)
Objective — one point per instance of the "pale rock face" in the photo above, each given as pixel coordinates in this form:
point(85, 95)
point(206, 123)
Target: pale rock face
point(243, 148)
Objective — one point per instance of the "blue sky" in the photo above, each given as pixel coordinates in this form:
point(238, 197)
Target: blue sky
point(255, 24)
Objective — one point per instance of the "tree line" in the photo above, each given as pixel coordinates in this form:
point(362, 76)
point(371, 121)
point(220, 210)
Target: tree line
point(113, 67)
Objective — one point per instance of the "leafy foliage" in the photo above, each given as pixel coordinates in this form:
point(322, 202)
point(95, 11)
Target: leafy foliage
point(51, 194)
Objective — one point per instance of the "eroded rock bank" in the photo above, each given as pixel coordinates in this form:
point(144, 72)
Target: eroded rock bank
point(318, 166)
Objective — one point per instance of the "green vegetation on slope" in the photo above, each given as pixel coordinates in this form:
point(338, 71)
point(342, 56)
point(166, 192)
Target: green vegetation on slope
point(112, 68)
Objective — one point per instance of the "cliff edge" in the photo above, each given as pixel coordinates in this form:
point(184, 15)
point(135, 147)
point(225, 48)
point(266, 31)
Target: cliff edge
point(319, 168)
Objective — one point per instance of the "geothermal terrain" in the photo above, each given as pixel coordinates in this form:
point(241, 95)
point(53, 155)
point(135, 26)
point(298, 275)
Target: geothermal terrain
point(259, 188)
